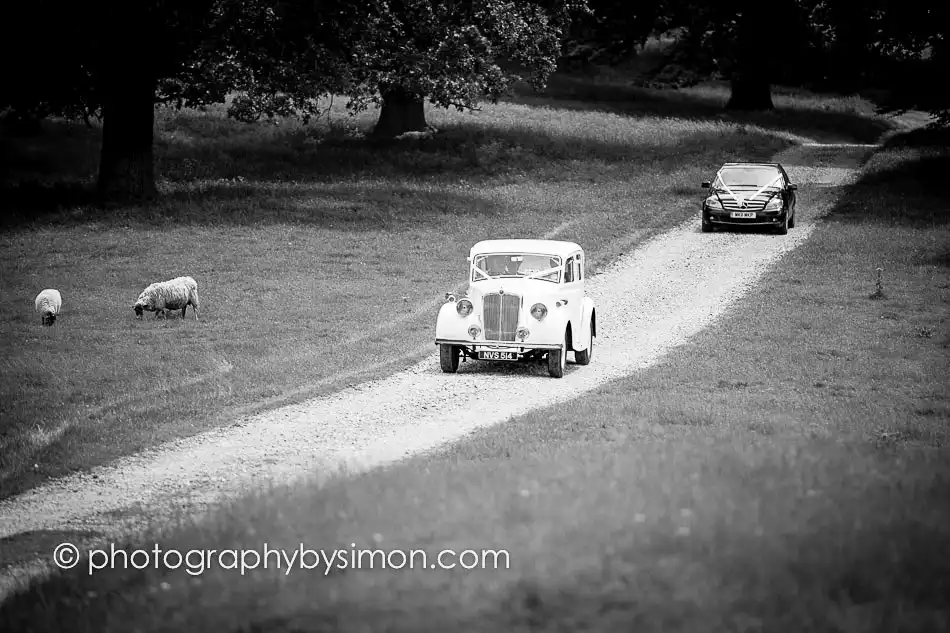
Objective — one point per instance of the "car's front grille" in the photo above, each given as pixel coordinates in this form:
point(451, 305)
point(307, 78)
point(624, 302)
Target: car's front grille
point(731, 204)
point(500, 316)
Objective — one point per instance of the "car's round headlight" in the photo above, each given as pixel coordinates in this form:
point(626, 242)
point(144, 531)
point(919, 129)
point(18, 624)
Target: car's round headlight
point(474, 330)
point(713, 202)
point(539, 311)
point(522, 333)
point(464, 307)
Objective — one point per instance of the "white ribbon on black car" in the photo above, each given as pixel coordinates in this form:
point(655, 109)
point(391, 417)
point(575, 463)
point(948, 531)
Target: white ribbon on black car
point(737, 198)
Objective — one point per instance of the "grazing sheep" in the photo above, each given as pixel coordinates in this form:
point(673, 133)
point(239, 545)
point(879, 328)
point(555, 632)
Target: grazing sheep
point(48, 303)
point(174, 294)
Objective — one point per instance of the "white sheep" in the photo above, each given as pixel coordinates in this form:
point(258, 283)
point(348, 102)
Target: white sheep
point(48, 303)
point(174, 294)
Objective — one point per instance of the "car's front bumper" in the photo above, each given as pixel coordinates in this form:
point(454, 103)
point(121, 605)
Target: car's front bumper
point(762, 218)
point(504, 346)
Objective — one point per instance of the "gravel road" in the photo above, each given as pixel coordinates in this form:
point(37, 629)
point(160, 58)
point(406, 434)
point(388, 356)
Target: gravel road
point(648, 301)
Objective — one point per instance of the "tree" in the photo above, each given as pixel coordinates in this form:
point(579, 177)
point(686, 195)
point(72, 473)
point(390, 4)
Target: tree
point(105, 59)
point(735, 40)
point(613, 29)
point(453, 53)
point(116, 60)
point(752, 61)
point(912, 46)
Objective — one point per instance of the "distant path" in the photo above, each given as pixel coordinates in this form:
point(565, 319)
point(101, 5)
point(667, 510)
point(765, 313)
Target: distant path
point(650, 300)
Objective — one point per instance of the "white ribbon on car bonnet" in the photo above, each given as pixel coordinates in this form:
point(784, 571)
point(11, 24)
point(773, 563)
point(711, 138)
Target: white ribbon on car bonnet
point(477, 269)
point(779, 177)
point(739, 199)
point(542, 273)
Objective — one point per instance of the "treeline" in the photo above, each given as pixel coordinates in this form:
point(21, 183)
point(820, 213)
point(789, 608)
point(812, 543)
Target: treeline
point(115, 60)
point(896, 49)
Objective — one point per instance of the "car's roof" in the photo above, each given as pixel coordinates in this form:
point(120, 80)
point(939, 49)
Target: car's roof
point(771, 165)
point(545, 247)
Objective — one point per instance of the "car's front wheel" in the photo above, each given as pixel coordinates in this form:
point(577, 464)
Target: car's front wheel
point(782, 228)
point(557, 359)
point(707, 226)
point(791, 221)
point(449, 358)
point(583, 358)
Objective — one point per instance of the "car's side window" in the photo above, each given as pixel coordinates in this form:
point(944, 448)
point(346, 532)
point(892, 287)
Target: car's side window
point(569, 271)
point(579, 273)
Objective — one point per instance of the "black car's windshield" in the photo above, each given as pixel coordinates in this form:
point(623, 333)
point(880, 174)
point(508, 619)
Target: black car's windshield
point(515, 265)
point(748, 177)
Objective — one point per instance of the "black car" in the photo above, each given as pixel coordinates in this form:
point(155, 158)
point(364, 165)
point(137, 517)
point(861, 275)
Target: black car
point(750, 194)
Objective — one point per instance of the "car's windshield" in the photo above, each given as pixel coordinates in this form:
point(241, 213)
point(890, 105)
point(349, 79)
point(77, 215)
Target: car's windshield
point(515, 265)
point(748, 176)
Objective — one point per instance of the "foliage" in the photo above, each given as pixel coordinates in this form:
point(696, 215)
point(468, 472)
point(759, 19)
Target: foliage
point(613, 29)
point(281, 56)
point(453, 53)
point(912, 42)
point(78, 53)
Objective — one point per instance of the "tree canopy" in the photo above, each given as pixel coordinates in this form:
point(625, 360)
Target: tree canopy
point(117, 60)
point(452, 53)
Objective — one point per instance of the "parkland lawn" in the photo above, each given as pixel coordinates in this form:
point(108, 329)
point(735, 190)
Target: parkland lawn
point(321, 257)
point(786, 470)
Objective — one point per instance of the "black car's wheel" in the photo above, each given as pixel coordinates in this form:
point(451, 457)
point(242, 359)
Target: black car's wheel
point(707, 226)
point(782, 228)
point(583, 358)
point(791, 221)
point(557, 359)
point(449, 358)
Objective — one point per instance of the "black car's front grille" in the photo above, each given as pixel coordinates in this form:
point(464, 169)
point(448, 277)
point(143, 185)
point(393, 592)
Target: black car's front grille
point(731, 204)
point(500, 316)
point(756, 203)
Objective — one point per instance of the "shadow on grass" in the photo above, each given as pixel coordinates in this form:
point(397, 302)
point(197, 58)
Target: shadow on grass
point(822, 120)
point(876, 576)
point(904, 184)
point(27, 547)
point(215, 171)
point(368, 207)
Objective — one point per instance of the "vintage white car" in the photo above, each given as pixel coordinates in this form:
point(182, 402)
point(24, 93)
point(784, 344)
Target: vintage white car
point(525, 302)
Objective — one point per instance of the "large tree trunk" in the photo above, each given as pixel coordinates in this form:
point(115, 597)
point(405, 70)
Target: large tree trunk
point(750, 93)
point(402, 112)
point(849, 53)
point(751, 89)
point(126, 163)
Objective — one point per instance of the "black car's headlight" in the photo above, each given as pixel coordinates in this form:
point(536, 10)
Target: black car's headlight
point(712, 202)
point(774, 204)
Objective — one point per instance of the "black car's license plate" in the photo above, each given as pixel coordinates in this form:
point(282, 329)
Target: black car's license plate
point(483, 355)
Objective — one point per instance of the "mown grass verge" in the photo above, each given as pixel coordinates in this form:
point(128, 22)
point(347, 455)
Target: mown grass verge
point(320, 256)
point(783, 471)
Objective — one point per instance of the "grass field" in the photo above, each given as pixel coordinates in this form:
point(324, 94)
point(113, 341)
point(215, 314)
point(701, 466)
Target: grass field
point(320, 256)
point(785, 471)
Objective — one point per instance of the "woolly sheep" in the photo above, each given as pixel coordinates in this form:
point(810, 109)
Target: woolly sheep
point(174, 294)
point(48, 303)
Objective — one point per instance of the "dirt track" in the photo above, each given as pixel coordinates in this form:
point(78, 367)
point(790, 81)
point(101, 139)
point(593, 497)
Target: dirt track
point(647, 302)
